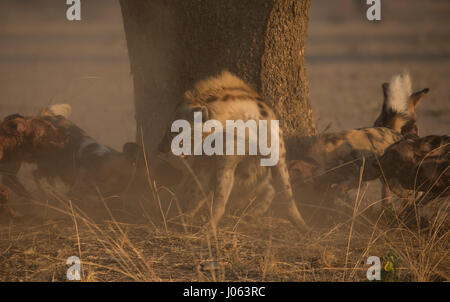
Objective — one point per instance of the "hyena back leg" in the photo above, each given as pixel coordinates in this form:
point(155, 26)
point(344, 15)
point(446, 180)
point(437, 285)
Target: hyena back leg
point(283, 187)
point(224, 184)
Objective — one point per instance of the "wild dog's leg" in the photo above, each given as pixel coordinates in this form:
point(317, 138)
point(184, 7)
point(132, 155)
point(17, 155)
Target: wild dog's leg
point(9, 175)
point(5, 200)
point(226, 166)
point(283, 187)
point(16, 186)
point(83, 183)
point(264, 197)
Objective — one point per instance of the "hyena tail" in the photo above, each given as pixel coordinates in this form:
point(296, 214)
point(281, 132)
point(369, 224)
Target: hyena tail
point(64, 110)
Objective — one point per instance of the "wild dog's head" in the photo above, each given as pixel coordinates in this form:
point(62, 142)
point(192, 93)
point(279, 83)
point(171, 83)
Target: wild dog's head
point(15, 125)
point(399, 105)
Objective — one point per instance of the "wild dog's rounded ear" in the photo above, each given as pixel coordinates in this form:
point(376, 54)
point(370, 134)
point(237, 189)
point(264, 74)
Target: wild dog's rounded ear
point(385, 87)
point(131, 150)
point(416, 97)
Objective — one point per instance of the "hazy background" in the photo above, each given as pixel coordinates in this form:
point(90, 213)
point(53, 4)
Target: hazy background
point(46, 59)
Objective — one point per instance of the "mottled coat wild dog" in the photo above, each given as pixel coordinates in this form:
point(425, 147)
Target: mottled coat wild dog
point(337, 158)
point(396, 90)
point(84, 164)
point(226, 97)
point(87, 165)
point(419, 165)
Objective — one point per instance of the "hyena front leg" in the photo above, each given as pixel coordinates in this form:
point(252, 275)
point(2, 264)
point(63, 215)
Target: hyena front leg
point(226, 166)
point(283, 187)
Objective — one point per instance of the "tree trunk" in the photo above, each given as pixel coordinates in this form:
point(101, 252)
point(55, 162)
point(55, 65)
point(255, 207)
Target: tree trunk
point(174, 43)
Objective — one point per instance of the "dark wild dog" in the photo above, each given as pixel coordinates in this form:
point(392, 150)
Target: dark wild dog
point(417, 165)
point(420, 165)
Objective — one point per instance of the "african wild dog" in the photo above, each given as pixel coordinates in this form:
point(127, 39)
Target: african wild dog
point(226, 97)
point(337, 158)
point(84, 164)
point(398, 89)
point(418, 164)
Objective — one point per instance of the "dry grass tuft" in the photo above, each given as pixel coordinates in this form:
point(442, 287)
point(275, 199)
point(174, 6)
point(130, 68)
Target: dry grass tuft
point(138, 240)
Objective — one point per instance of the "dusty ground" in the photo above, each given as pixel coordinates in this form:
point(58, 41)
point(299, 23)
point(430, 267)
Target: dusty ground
point(45, 59)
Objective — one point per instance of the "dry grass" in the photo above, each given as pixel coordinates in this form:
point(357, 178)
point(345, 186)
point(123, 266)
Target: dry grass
point(123, 246)
point(139, 241)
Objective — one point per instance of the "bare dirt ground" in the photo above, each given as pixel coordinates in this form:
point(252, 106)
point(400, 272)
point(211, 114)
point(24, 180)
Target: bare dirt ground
point(45, 59)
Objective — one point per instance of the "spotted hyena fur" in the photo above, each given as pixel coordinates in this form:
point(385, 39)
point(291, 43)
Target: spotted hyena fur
point(226, 97)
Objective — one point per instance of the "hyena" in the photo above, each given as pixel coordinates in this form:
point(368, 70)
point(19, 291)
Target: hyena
point(226, 97)
point(337, 158)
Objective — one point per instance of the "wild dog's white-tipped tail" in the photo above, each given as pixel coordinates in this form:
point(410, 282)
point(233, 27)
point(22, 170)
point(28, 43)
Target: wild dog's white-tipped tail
point(399, 92)
point(58, 109)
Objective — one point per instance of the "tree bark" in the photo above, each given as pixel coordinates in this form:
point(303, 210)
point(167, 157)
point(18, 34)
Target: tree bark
point(174, 43)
